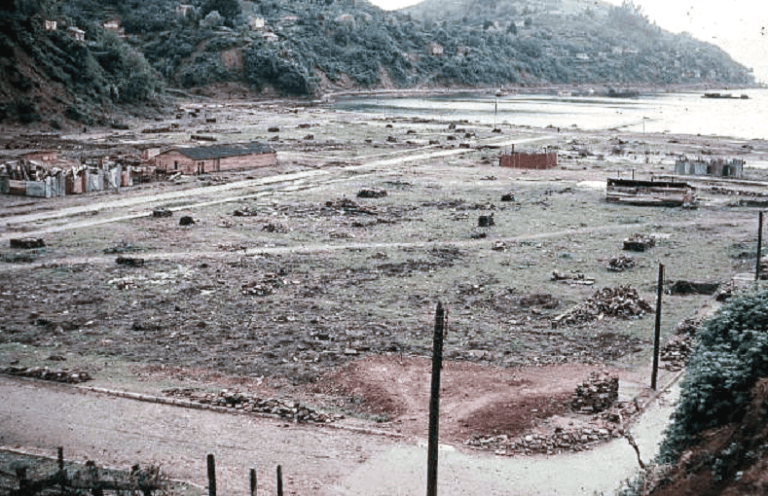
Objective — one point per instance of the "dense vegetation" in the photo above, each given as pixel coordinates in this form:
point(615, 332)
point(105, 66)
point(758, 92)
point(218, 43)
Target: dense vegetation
point(731, 355)
point(105, 69)
point(302, 47)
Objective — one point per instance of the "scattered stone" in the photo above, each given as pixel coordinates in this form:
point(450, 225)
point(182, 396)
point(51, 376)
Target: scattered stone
point(371, 193)
point(245, 212)
point(249, 402)
point(508, 197)
point(46, 374)
point(274, 227)
point(304, 126)
point(434, 142)
point(391, 139)
point(727, 291)
point(496, 130)
point(162, 212)
point(186, 221)
point(265, 287)
point(688, 327)
point(598, 393)
point(274, 130)
point(27, 243)
point(309, 137)
point(676, 352)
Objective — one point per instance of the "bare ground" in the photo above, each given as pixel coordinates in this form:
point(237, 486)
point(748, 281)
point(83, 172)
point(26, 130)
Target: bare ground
point(310, 297)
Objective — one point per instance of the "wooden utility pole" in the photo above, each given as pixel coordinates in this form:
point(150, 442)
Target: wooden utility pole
point(254, 483)
point(211, 475)
point(279, 480)
point(657, 330)
point(759, 246)
point(434, 401)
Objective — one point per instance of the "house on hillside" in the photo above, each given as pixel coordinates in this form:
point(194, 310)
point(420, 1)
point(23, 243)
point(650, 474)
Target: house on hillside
point(114, 26)
point(435, 49)
point(200, 160)
point(50, 25)
point(256, 23)
point(184, 10)
point(76, 33)
point(270, 37)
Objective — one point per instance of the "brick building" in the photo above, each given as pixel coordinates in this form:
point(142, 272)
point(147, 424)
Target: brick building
point(217, 158)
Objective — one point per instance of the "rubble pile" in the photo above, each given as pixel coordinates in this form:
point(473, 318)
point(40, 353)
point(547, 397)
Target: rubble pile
point(347, 207)
point(46, 374)
point(577, 278)
point(676, 351)
point(248, 402)
point(561, 441)
point(639, 242)
point(727, 290)
point(622, 301)
point(620, 263)
point(274, 227)
point(245, 211)
point(688, 327)
point(597, 394)
point(265, 287)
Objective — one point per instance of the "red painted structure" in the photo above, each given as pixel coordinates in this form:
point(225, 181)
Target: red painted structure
point(529, 160)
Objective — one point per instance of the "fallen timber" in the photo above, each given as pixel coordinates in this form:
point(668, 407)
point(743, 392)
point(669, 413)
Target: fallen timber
point(650, 193)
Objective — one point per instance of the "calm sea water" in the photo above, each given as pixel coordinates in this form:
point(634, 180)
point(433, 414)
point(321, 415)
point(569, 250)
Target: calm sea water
point(678, 113)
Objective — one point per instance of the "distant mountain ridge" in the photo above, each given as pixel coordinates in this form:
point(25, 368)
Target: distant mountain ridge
point(309, 47)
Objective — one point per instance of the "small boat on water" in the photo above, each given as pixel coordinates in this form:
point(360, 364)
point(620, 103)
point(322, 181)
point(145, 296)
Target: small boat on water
point(725, 96)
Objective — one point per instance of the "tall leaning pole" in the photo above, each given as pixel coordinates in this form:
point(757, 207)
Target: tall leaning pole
point(434, 400)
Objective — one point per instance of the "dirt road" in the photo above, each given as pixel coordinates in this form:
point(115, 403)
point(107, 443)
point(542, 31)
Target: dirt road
point(315, 460)
point(115, 210)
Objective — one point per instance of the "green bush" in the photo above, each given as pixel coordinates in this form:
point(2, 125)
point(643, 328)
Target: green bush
point(731, 355)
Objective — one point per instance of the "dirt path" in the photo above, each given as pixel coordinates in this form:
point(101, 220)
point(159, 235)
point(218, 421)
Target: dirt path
point(327, 247)
point(315, 460)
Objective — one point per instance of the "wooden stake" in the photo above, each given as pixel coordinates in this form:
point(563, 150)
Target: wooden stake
point(759, 246)
point(211, 475)
point(434, 401)
point(254, 487)
point(657, 330)
point(60, 457)
point(279, 480)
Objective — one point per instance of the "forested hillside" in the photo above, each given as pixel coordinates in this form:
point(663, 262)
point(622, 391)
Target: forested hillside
point(307, 47)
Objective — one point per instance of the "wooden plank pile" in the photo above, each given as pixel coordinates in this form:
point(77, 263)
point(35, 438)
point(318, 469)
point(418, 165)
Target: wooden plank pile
point(620, 263)
point(639, 242)
point(623, 301)
point(575, 279)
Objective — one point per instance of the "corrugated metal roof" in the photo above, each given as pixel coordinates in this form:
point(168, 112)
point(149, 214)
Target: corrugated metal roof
point(223, 151)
